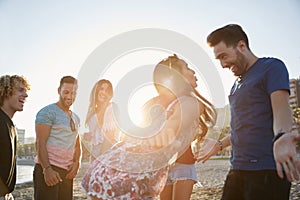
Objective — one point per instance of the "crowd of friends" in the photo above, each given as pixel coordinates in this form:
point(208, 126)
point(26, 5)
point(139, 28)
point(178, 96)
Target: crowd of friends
point(263, 161)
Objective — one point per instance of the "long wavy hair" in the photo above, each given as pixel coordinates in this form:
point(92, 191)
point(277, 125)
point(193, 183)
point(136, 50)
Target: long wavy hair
point(165, 76)
point(95, 106)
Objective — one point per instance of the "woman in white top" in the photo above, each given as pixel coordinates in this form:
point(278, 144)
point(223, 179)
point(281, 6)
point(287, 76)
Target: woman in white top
point(100, 119)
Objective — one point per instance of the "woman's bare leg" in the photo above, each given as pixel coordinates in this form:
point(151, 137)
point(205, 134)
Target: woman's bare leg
point(166, 194)
point(183, 189)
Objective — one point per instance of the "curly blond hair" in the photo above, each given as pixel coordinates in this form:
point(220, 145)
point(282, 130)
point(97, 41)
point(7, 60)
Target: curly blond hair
point(9, 83)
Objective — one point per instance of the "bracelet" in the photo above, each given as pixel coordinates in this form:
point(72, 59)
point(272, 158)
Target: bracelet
point(276, 137)
point(44, 169)
point(220, 145)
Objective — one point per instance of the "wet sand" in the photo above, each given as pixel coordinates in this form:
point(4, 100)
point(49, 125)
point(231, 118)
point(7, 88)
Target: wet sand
point(211, 176)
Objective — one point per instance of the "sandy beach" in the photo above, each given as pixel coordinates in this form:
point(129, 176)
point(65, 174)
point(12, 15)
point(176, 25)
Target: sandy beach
point(211, 176)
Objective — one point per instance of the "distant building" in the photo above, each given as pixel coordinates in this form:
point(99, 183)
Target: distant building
point(29, 140)
point(21, 135)
point(295, 99)
point(22, 139)
point(295, 93)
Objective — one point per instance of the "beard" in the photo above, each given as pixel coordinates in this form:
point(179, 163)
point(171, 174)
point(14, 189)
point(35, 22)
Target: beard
point(66, 102)
point(241, 62)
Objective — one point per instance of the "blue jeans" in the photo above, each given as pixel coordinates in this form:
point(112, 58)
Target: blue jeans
point(60, 191)
point(249, 185)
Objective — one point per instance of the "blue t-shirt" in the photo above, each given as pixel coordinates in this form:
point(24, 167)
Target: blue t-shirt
point(252, 116)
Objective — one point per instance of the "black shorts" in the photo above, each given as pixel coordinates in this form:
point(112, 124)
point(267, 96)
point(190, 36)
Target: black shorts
point(250, 185)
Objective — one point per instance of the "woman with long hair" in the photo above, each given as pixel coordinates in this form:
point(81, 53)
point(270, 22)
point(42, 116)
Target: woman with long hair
point(100, 119)
point(182, 174)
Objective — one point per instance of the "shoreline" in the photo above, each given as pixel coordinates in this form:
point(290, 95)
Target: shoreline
point(29, 162)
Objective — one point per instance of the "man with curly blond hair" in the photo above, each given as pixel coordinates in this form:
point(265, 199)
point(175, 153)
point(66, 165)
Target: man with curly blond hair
point(13, 93)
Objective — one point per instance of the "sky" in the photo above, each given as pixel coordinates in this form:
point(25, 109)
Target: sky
point(45, 40)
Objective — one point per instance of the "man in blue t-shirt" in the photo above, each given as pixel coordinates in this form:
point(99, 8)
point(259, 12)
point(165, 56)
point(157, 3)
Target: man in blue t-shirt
point(260, 114)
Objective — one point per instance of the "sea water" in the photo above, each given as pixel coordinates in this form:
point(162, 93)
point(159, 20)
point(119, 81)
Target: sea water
point(24, 173)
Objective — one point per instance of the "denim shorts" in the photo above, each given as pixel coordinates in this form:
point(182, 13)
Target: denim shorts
point(181, 172)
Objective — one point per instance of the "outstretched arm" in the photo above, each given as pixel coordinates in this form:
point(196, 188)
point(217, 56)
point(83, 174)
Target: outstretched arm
point(181, 116)
point(211, 147)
